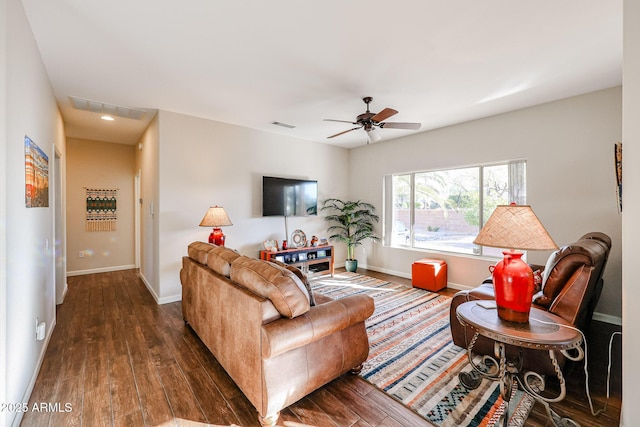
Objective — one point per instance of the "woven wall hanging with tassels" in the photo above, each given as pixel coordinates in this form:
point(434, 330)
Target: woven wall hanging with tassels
point(101, 209)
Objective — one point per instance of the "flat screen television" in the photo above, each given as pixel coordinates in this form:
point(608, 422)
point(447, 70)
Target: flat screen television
point(289, 197)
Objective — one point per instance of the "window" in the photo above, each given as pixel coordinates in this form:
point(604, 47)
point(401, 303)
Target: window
point(444, 210)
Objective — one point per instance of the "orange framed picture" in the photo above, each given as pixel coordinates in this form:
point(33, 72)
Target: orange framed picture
point(36, 168)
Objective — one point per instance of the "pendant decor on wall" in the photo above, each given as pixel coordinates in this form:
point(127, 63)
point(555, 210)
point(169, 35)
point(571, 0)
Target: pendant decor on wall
point(36, 168)
point(618, 160)
point(101, 209)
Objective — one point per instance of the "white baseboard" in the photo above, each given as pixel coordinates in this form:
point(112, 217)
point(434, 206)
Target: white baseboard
point(607, 318)
point(64, 293)
point(100, 270)
point(408, 276)
point(386, 271)
point(170, 298)
point(158, 300)
point(27, 394)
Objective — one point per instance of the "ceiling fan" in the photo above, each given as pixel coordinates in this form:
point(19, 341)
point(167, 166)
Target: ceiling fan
point(369, 121)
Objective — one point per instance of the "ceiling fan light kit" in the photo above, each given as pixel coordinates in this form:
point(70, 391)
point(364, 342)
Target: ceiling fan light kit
point(374, 135)
point(370, 121)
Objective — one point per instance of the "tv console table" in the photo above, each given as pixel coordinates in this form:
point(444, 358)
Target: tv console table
point(308, 259)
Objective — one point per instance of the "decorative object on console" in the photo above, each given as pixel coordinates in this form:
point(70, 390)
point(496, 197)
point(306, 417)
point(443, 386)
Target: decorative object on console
point(353, 223)
point(216, 217)
point(514, 227)
point(270, 245)
point(299, 239)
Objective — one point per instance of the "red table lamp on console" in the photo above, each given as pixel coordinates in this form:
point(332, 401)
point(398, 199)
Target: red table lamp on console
point(514, 227)
point(216, 217)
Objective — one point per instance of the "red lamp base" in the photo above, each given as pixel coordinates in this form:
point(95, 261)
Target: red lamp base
point(514, 286)
point(217, 237)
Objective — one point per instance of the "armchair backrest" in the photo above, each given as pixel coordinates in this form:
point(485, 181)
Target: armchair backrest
point(572, 279)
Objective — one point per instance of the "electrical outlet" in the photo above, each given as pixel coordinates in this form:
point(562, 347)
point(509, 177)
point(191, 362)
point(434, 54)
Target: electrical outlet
point(41, 328)
point(81, 254)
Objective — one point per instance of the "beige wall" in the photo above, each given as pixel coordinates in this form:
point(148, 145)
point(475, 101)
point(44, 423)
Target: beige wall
point(94, 164)
point(568, 146)
point(204, 163)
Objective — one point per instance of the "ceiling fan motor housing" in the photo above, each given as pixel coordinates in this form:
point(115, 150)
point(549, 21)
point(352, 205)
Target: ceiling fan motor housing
point(364, 118)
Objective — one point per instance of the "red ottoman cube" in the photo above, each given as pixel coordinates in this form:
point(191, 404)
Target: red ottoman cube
point(429, 274)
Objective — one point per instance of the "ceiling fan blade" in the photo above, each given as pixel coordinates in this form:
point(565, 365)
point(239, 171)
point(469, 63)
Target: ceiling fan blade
point(399, 125)
point(343, 132)
point(340, 121)
point(384, 114)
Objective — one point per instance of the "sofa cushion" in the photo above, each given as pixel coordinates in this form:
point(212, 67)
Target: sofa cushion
point(279, 285)
point(198, 251)
point(219, 259)
point(303, 278)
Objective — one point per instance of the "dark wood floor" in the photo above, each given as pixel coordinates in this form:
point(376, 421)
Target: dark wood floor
point(118, 359)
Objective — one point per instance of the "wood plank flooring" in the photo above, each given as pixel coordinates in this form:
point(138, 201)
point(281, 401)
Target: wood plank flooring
point(116, 358)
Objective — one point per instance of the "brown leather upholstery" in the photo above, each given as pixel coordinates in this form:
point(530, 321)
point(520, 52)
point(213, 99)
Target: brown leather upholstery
point(571, 286)
point(275, 360)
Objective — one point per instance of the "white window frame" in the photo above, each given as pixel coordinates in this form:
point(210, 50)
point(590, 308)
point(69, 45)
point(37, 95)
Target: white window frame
point(517, 194)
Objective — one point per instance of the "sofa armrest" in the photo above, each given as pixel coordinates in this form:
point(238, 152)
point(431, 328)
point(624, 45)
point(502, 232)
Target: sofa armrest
point(320, 321)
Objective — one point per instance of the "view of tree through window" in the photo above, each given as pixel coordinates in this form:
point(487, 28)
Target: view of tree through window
point(444, 210)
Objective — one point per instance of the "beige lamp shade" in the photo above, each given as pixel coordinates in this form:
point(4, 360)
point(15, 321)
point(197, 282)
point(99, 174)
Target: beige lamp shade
point(215, 217)
point(515, 227)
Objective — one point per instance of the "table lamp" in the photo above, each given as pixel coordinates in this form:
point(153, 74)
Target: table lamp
point(216, 217)
point(514, 227)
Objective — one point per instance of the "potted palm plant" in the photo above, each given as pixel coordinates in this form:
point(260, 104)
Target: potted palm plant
point(352, 223)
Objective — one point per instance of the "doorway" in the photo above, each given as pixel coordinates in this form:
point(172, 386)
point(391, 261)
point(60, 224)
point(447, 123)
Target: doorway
point(59, 238)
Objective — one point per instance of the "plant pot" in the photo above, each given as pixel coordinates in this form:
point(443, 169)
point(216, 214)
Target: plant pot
point(351, 265)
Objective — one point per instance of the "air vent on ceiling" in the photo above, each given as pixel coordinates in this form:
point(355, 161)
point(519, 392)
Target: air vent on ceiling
point(102, 108)
point(284, 125)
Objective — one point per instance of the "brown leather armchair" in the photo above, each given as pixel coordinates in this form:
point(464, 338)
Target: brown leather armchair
point(571, 286)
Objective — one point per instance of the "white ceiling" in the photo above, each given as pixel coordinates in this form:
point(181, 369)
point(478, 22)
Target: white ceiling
point(298, 62)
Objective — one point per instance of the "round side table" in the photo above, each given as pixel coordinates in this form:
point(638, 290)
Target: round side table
point(544, 331)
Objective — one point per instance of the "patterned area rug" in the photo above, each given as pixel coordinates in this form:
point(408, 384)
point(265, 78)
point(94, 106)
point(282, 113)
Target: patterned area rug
point(413, 359)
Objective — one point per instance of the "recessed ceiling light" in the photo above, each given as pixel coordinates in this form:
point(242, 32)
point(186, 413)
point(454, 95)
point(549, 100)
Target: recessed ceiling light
point(107, 118)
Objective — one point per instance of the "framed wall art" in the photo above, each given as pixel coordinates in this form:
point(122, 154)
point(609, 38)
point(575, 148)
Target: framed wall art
point(36, 168)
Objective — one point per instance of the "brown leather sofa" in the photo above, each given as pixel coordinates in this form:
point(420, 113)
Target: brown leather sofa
point(570, 288)
point(256, 318)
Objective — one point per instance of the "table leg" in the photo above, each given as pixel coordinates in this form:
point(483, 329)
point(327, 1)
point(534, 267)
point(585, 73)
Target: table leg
point(505, 374)
point(472, 379)
point(506, 379)
point(533, 384)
